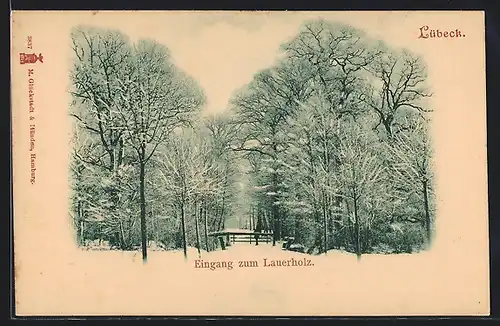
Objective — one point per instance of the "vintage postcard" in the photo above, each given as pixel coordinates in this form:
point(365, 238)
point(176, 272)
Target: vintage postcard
point(250, 163)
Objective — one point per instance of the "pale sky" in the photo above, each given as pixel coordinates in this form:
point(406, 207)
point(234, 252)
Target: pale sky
point(223, 50)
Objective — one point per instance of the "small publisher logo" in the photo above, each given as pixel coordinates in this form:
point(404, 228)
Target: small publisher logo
point(25, 58)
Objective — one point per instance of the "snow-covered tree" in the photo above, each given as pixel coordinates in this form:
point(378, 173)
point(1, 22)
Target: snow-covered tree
point(412, 166)
point(130, 97)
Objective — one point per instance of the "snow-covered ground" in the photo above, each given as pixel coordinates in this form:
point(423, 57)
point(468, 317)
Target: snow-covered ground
point(115, 282)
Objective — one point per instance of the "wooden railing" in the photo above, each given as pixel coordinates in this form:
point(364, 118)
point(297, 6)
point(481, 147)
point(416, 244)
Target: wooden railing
point(226, 238)
point(251, 238)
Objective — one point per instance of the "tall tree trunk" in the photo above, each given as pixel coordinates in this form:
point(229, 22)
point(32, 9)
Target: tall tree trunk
point(275, 224)
point(183, 229)
point(275, 209)
point(143, 209)
point(122, 237)
point(220, 223)
point(388, 127)
point(348, 234)
point(356, 228)
point(252, 219)
point(223, 206)
point(82, 223)
point(263, 220)
point(157, 229)
point(258, 227)
point(82, 227)
point(212, 216)
point(427, 214)
point(197, 227)
point(281, 227)
point(217, 218)
point(325, 196)
point(318, 232)
point(205, 218)
point(325, 225)
point(366, 239)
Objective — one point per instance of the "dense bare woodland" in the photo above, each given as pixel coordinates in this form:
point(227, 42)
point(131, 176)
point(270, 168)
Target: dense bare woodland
point(329, 146)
